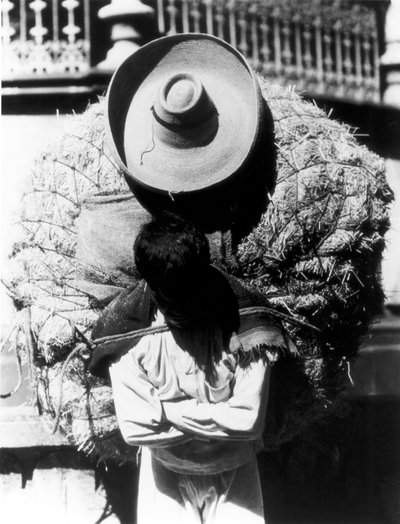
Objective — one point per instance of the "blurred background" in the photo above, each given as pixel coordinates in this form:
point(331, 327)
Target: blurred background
point(57, 57)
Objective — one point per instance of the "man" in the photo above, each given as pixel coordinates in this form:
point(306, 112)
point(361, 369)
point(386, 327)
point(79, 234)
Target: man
point(189, 395)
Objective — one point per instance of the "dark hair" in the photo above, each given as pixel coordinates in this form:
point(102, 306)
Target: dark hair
point(169, 249)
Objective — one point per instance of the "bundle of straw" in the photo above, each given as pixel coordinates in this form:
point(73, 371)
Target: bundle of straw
point(314, 254)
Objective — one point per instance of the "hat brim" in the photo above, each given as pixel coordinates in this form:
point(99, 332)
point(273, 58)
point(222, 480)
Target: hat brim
point(229, 82)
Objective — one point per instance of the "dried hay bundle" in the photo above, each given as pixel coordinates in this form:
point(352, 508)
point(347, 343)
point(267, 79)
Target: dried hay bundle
point(316, 251)
point(315, 254)
point(42, 267)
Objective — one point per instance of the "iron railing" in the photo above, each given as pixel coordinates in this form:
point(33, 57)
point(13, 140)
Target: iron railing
point(45, 38)
point(324, 47)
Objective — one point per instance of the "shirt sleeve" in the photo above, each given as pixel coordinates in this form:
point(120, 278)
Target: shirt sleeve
point(138, 408)
point(240, 418)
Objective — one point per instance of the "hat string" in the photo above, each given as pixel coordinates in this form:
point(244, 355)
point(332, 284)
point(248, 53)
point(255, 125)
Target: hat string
point(153, 143)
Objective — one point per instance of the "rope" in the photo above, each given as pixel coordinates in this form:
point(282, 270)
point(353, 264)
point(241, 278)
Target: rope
point(27, 322)
point(134, 334)
point(243, 312)
point(85, 344)
point(60, 398)
point(287, 318)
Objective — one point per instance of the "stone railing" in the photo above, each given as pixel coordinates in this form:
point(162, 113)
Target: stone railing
point(330, 48)
point(326, 48)
point(45, 38)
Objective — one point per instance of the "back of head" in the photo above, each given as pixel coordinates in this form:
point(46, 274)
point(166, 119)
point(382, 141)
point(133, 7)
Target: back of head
point(170, 251)
point(173, 256)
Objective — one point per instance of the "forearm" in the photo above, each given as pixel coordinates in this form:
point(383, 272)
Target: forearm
point(240, 418)
point(139, 411)
point(217, 421)
point(163, 435)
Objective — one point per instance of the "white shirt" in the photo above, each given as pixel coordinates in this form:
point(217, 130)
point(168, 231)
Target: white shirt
point(163, 400)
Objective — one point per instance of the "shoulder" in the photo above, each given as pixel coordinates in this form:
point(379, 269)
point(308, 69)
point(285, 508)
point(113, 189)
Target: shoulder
point(129, 311)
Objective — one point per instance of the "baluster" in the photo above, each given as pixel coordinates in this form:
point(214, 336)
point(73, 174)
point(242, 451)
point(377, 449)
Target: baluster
point(367, 28)
point(86, 26)
point(38, 31)
point(254, 36)
point(365, 32)
point(286, 51)
point(376, 63)
point(10, 62)
point(160, 17)
point(71, 29)
point(23, 32)
point(298, 51)
point(357, 59)
point(23, 46)
point(195, 15)
point(367, 65)
point(7, 30)
point(338, 57)
point(327, 60)
point(277, 41)
point(242, 23)
point(72, 58)
point(39, 59)
point(209, 17)
point(318, 54)
point(55, 21)
point(220, 17)
point(185, 16)
point(366, 53)
point(265, 49)
point(172, 12)
point(232, 22)
point(308, 62)
point(347, 63)
point(56, 44)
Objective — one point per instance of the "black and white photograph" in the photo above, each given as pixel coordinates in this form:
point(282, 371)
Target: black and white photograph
point(200, 262)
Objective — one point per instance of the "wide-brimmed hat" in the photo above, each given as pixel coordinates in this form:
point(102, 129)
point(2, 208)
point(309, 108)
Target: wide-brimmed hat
point(183, 113)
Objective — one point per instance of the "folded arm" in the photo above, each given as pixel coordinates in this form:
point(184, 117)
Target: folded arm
point(138, 408)
point(240, 418)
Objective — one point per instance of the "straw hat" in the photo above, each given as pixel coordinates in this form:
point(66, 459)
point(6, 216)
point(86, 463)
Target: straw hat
point(183, 113)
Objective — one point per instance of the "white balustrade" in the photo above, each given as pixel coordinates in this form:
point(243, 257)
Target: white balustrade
point(34, 43)
point(320, 46)
point(323, 47)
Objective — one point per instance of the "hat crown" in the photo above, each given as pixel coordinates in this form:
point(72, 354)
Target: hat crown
point(183, 102)
point(181, 93)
